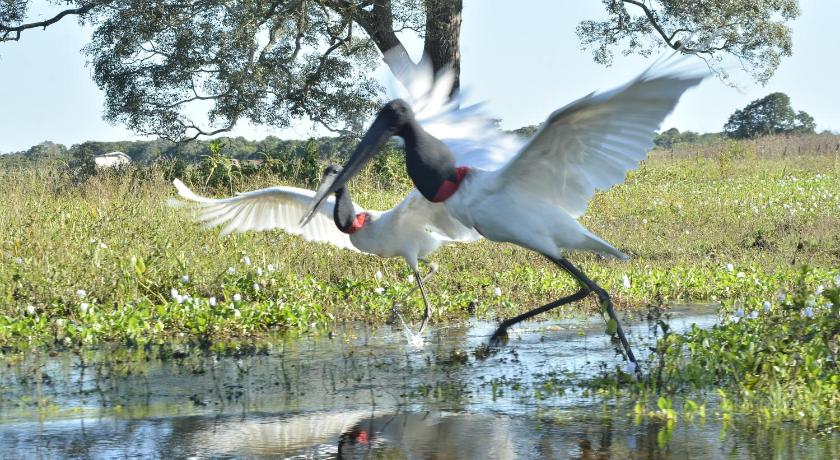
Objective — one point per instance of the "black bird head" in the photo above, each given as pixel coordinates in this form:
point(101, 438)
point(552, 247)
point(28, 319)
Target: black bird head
point(390, 121)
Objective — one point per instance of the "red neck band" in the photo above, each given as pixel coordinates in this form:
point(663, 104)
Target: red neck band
point(358, 223)
point(448, 188)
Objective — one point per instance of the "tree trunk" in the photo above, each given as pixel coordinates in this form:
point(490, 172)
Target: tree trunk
point(443, 35)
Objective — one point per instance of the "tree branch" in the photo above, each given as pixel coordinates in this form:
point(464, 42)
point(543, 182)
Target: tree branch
point(7, 31)
point(652, 18)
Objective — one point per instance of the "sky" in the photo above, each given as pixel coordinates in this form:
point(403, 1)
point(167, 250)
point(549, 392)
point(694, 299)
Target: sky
point(523, 59)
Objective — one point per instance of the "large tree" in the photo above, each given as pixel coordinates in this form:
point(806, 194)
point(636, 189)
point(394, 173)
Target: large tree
point(771, 114)
point(271, 62)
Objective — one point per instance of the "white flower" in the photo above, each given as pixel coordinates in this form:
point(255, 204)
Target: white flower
point(379, 290)
point(754, 314)
point(497, 292)
point(256, 287)
point(81, 293)
point(212, 301)
point(84, 306)
point(730, 268)
point(625, 281)
point(185, 279)
point(740, 275)
point(180, 298)
point(811, 302)
point(378, 276)
point(237, 313)
point(174, 293)
point(246, 260)
point(30, 310)
point(766, 305)
point(270, 268)
point(19, 261)
point(808, 312)
point(781, 297)
point(819, 289)
point(644, 221)
point(629, 367)
point(739, 313)
point(237, 297)
point(259, 271)
point(231, 270)
point(836, 278)
point(410, 278)
point(103, 245)
point(829, 304)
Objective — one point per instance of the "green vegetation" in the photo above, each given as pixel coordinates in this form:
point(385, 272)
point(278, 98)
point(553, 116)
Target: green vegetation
point(698, 228)
point(771, 114)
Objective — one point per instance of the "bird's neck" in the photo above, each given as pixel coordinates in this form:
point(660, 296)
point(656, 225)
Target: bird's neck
point(430, 164)
point(344, 214)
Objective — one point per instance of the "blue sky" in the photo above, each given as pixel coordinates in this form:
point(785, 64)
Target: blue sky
point(522, 58)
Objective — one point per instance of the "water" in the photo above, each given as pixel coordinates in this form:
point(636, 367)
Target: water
point(362, 393)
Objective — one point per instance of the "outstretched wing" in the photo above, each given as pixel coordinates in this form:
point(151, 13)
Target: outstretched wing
point(591, 143)
point(269, 208)
point(470, 134)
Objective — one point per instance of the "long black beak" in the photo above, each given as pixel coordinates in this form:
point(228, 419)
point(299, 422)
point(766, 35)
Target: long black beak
point(383, 127)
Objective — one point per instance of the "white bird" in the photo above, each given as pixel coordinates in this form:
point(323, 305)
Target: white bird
point(412, 229)
point(532, 196)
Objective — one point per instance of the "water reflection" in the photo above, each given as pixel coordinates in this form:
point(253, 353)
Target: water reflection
point(363, 394)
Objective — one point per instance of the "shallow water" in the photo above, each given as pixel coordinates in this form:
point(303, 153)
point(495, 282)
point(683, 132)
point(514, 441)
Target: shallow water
point(362, 393)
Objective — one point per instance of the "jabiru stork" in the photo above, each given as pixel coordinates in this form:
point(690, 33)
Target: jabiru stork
point(412, 229)
point(535, 194)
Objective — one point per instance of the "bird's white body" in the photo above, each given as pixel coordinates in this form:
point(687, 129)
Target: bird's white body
point(412, 230)
point(520, 217)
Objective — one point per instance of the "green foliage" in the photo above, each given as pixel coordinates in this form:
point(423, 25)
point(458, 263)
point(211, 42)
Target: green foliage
point(683, 221)
point(771, 114)
point(754, 31)
point(775, 356)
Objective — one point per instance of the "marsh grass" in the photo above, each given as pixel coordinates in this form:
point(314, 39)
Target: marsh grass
point(698, 227)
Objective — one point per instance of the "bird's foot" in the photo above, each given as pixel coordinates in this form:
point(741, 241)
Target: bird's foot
point(499, 338)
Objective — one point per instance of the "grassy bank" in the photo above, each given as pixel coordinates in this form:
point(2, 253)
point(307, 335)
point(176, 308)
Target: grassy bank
point(102, 259)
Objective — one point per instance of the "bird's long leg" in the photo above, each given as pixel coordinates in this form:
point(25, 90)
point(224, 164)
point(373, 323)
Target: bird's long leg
point(427, 314)
point(605, 300)
point(433, 268)
point(587, 286)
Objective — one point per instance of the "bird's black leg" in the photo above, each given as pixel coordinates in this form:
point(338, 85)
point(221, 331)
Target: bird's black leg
point(587, 286)
point(605, 300)
point(427, 314)
point(501, 331)
point(433, 267)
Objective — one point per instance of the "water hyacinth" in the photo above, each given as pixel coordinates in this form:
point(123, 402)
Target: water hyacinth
point(81, 293)
point(30, 310)
point(819, 289)
point(410, 278)
point(497, 292)
point(259, 271)
point(625, 282)
point(85, 307)
point(378, 276)
point(237, 297)
point(754, 314)
point(231, 270)
point(256, 287)
point(185, 279)
point(739, 313)
point(836, 279)
point(18, 260)
point(246, 260)
point(212, 301)
point(629, 367)
point(766, 306)
point(740, 275)
point(379, 290)
point(270, 268)
point(730, 268)
point(808, 312)
point(237, 313)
